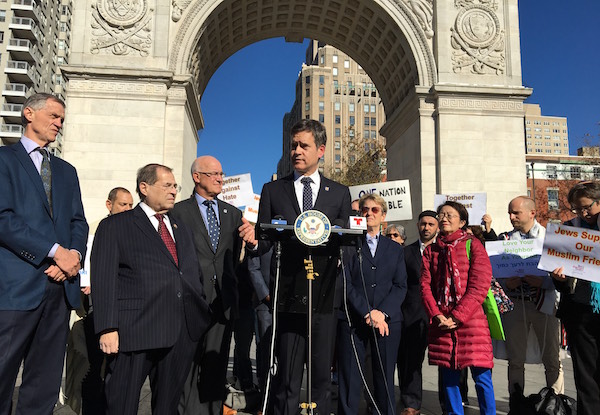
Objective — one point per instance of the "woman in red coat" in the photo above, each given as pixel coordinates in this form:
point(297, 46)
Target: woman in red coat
point(453, 288)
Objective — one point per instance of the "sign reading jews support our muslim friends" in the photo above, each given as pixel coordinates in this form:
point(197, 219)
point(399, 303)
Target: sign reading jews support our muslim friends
point(237, 190)
point(475, 203)
point(577, 250)
point(395, 193)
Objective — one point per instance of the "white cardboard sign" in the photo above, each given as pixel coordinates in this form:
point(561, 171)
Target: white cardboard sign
point(515, 258)
point(476, 204)
point(237, 190)
point(396, 194)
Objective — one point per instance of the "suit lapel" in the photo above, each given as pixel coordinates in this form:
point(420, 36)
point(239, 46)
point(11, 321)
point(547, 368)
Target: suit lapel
point(33, 174)
point(288, 187)
point(198, 222)
point(143, 222)
point(323, 194)
point(224, 222)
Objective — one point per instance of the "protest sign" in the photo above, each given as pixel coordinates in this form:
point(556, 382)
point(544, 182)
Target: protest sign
point(476, 204)
point(237, 190)
point(515, 258)
point(251, 210)
point(396, 194)
point(577, 250)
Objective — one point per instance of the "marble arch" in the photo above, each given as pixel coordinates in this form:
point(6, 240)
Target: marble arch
point(448, 73)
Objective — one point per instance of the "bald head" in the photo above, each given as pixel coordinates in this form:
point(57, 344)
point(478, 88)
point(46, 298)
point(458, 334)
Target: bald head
point(521, 211)
point(207, 174)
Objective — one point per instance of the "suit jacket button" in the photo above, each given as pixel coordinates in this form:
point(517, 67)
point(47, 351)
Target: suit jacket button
point(178, 294)
point(373, 285)
point(180, 273)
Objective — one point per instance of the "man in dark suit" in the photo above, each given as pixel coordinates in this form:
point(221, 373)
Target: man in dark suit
point(149, 305)
point(218, 245)
point(43, 234)
point(305, 189)
point(414, 327)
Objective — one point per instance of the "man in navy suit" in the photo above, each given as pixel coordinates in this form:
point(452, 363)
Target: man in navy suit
point(43, 236)
point(149, 305)
point(305, 189)
point(414, 326)
point(214, 224)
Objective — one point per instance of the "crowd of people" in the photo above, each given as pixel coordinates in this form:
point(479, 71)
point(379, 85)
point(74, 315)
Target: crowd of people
point(172, 283)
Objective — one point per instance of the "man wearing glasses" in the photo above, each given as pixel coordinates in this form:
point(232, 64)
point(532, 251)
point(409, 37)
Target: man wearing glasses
point(534, 298)
point(149, 306)
point(214, 224)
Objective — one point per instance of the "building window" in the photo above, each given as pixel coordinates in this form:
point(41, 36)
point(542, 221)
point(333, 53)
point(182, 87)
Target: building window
point(351, 107)
point(552, 199)
point(307, 92)
point(367, 121)
point(321, 118)
point(2, 15)
point(367, 146)
point(321, 79)
point(596, 173)
point(528, 122)
point(352, 120)
point(351, 133)
point(373, 121)
point(1, 37)
point(307, 80)
point(335, 58)
point(338, 132)
point(338, 119)
point(322, 61)
point(321, 106)
point(335, 72)
point(528, 136)
point(307, 106)
point(551, 172)
point(338, 159)
point(575, 172)
point(537, 123)
point(373, 108)
point(338, 145)
point(346, 63)
point(321, 92)
point(336, 106)
point(366, 108)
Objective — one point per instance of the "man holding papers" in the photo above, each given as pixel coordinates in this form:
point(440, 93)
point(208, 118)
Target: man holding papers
point(534, 298)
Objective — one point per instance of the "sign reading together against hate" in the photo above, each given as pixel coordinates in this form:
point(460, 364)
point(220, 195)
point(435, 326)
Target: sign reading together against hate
point(395, 193)
point(577, 250)
point(237, 190)
point(475, 203)
point(515, 258)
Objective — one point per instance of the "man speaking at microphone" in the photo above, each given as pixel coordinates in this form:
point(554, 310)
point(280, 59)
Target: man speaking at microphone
point(288, 197)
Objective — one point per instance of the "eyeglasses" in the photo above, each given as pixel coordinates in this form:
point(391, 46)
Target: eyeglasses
point(581, 209)
point(212, 173)
point(168, 186)
point(448, 216)
point(374, 209)
point(392, 235)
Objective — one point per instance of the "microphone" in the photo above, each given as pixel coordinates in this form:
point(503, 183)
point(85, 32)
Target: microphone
point(278, 220)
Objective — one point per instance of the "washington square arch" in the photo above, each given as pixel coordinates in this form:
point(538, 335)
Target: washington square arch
point(448, 73)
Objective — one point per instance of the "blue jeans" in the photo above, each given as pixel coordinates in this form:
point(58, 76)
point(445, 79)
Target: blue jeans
point(483, 386)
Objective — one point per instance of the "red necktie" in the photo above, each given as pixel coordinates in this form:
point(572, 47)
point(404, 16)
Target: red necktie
point(166, 237)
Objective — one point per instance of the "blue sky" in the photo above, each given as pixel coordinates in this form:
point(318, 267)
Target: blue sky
point(245, 100)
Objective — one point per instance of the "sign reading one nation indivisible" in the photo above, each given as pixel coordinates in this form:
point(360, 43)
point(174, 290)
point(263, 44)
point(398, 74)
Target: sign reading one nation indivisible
point(515, 258)
point(395, 193)
point(577, 250)
point(237, 190)
point(475, 203)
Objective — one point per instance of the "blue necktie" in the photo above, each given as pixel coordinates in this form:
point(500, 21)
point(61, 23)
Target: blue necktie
point(307, 202)
point(46, 174)
point(213, 225)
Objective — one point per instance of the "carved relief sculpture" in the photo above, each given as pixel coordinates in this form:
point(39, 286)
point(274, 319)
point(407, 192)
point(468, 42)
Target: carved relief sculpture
point(477, 39)
point(423, 9)
point(121, 27)
point(178, 8)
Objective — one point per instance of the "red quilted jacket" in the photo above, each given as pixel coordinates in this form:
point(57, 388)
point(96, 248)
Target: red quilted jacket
point(470, 344)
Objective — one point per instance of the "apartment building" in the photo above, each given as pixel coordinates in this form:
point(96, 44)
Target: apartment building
point(545, 134)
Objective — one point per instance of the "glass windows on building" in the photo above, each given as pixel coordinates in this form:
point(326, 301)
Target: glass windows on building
point(321, 79)
point(552, 199)
point(373, 121)
point(338, 119)
point(367, 121)
point(335, 71)
point(307, 79)
point(321, 106)
point(351, 107)
point(337, 106)
point(321, 118)
point(575, 172)
point(551, 172)
point(373, 106)
point(338, 145)
point(321, 92)
point(338, 132)
point(347, 63)
point(335, 58)
point(352, 120)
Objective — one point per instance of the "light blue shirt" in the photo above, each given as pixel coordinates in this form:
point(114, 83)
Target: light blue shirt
point(200, 200)
point(372, 242)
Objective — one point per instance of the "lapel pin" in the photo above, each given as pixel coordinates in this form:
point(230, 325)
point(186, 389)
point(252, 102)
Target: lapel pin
point(224, 210)
point(174, 226)
point(326, 188)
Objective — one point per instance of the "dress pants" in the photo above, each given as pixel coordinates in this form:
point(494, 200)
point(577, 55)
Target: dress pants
point(583, 336)
point(547, 329)
point(204, 388)
point(243, 332)
point(37, 337)
point(167, 368)
point(410, 363)
point(483, 386)
point(292, 351)
point(350, 381)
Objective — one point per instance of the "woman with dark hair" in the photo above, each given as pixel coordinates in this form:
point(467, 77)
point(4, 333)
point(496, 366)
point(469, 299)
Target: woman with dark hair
point(579, 307)
point(455, 279)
